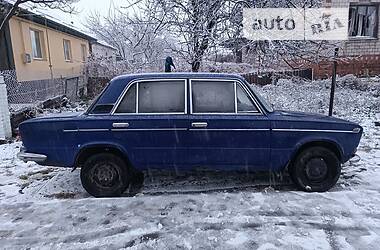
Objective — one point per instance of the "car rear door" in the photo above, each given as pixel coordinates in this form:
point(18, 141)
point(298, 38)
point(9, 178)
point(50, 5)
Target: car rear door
point(151, 122)
point(228, 130)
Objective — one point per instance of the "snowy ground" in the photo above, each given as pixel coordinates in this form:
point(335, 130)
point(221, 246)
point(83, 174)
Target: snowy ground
point(46, 208)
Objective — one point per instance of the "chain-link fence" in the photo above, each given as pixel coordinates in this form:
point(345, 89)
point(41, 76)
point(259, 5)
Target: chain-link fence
point(30, 93)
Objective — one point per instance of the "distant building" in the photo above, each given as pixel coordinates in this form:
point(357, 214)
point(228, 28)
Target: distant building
point(361, 52)
point(42, 54)
point(101, 50)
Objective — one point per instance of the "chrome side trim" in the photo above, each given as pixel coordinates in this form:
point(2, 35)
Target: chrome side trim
point(86, 130)
point(70, 130)
point(149, 129)
point(229, 129)
point(314, 130)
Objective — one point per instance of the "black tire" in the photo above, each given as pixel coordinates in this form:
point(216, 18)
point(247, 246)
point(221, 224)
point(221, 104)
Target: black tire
point(316, 169)
point(105, 175)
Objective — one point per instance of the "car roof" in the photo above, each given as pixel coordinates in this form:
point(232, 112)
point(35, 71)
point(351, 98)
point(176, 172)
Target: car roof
point(177, 75)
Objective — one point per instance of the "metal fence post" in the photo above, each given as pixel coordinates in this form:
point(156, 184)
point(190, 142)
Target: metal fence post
point(5, 118)
point(333, 82)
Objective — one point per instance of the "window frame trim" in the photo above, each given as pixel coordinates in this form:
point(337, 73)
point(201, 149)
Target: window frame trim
point(83, 52)
point(121, 97)
point(40, 37)
point(70, 50)
point(236, 82)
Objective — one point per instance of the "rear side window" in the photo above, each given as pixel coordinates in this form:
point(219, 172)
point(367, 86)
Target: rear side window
point(102, 109)
point(161, 97)
point(213, 96)
point(149, 97)
point(128, 104)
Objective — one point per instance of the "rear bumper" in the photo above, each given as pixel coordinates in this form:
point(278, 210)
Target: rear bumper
point(24, 156)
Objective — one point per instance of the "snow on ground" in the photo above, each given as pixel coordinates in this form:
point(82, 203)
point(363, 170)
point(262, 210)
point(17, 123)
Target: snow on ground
point(46, 208)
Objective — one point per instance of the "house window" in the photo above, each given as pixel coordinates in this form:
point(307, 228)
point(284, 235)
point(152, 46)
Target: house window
point(363, 21)
point(36, 37)
point(67, 49)
point(83, 49)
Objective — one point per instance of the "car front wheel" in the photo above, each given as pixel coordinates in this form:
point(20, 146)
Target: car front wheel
point(105, 175)
point(316, 169)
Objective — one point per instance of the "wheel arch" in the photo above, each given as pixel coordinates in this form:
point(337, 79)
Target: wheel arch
point(87, 150)
point(329, 144)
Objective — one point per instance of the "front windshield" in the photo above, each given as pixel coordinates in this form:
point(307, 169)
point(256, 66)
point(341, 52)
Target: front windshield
point(262, 100)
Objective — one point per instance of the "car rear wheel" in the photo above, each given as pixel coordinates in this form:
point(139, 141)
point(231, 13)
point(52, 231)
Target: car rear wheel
point(316, 169)
point(105, 175)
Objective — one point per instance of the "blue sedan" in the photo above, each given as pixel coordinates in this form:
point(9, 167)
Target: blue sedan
point(187, 120)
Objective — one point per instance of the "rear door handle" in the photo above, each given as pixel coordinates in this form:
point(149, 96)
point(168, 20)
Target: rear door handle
point(199, 124)
point(120, 124)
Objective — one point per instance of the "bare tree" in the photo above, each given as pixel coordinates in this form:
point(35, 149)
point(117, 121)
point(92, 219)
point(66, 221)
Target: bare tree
point(7, 10)
point(198, 25)
point(274, 54)
point(193, 29)
point(138, 34)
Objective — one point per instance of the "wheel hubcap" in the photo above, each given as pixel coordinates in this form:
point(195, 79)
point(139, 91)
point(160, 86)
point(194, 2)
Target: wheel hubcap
point(105, 175)
point(316, 169)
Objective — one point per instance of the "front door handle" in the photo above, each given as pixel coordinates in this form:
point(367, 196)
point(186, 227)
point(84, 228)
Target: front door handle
point(120, 124)
point(199, 124)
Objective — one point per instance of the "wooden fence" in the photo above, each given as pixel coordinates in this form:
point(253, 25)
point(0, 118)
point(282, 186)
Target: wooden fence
point(264, 78)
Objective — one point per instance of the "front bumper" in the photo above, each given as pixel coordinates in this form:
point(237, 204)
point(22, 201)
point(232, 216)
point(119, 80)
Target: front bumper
point(24, 156)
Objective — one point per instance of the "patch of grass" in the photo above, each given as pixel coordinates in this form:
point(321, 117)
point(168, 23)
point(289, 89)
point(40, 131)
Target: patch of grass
point(23, 177)
point(62, 195)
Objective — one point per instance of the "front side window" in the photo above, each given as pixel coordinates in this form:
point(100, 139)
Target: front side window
point(363, 21)
point(244, 102)
point(36, 37)
point(161, 97)
point(213, 96)
point(67, 49)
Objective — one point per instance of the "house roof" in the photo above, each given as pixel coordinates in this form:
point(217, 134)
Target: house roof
point(42, 20)
point(104, 44)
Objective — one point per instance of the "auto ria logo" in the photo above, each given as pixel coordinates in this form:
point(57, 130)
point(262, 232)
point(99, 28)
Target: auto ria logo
point(295, 24)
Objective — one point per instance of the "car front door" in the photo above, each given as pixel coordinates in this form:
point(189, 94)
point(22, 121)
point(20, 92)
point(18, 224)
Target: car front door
point(228, 130)
point(151, 122)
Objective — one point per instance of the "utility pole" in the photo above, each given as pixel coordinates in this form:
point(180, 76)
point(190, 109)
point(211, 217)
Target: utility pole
point(333, 82)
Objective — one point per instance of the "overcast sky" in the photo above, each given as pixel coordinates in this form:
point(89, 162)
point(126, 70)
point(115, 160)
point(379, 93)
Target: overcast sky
point(84, 9)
